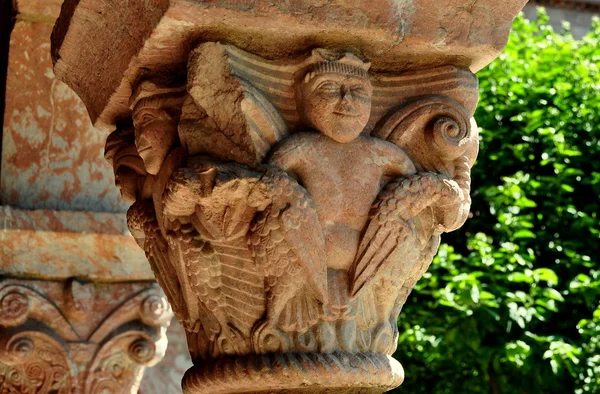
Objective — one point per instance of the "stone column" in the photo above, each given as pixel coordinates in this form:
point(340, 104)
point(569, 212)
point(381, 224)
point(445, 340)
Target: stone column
point(291, 167)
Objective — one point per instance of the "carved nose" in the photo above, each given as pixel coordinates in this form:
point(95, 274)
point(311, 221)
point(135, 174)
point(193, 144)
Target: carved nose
point(142, 142)
point(346, 94)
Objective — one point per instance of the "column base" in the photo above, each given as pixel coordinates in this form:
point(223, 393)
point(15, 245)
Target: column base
point(296, 373)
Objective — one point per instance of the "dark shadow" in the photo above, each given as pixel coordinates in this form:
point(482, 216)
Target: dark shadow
point(7, 22)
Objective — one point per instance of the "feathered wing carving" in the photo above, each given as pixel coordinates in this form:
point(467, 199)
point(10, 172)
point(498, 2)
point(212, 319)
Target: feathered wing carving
point(391, 243)
point(432, 125)
point(142, 223)
point(252, 246)
point(241, 249)
point(209, 207)
point(288, 243)
point(439, 135)
point(226, 312)
point(426, 255)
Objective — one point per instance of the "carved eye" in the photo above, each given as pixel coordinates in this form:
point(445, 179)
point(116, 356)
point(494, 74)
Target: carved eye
point(146, 118)
point(360, 91)
point(328, 87)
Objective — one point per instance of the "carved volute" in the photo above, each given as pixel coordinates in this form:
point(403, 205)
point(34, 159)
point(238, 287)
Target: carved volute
point(288, 205)
point(79, 337)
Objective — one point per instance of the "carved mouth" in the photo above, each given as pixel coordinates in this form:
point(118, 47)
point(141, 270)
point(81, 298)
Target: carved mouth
point(144, 149)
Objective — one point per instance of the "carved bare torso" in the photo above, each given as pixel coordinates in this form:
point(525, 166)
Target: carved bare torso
point(343, 180)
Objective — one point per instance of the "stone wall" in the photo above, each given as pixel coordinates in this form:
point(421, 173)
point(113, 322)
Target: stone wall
point(60, 214)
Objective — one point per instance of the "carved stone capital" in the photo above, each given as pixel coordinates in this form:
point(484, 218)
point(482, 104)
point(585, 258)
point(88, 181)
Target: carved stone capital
point(294, 207)
point(290, 195)
point(79, 337)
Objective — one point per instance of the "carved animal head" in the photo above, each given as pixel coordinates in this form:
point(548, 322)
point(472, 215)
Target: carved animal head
point(335, 95)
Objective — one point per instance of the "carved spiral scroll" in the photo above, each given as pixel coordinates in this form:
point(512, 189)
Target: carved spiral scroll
point(155, 310)
point(142, 351)
point(34, 362)
point(439, 135)
point(436, 122)
point(14, 308)
point(447, 131)
point(20, 348)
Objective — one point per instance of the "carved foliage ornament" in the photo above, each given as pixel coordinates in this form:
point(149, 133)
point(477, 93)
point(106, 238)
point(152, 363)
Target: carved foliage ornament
point(289, 208)
point(69, 337)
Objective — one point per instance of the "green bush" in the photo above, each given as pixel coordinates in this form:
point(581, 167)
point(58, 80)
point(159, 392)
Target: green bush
point(511, 303)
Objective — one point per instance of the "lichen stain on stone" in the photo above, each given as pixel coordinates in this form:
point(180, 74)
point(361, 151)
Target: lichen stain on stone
point(52, 156)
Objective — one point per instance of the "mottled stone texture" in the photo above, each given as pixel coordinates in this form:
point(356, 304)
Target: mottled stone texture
point(79, 337)
point(89, 245)
point(45, 10)
point(51, 154)
point(58, 216)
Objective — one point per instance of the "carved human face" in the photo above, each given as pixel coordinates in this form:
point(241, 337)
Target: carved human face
point(126, 180)
point(337, 105)
point(155, 135)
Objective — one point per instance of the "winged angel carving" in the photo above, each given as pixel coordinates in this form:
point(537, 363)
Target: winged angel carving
point(293, 206)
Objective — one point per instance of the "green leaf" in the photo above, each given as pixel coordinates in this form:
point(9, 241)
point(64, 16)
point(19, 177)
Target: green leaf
point(545, 275)
point(523, 233)
point(553, 294)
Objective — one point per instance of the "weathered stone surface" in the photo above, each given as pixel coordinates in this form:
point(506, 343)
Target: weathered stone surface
point(87, 245)
point(52, 157)
point(135, 37)
point(302, 249)
point(64, 170)
point(290, 186)
point(74, 336)
point(165, 377)
point(38, 10)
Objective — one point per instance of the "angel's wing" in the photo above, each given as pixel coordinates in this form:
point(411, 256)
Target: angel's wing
point(391, 240)
point(225, 288)
point(142, 224)
point(418, 269)
point(287, 236)
point(387, 241)
point(213, 203)
point(429, 116)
